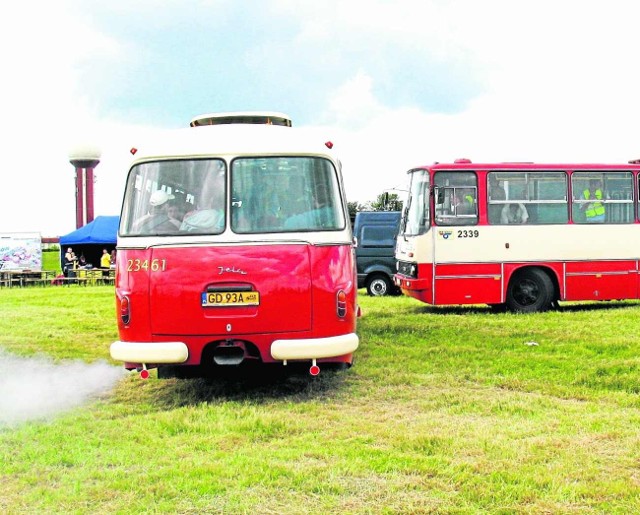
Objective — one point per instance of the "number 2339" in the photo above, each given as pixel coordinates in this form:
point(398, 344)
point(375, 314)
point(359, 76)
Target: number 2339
point(464, 233)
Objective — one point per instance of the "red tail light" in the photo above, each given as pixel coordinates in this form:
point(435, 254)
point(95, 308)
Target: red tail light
point(341, 303)
point(125, 310)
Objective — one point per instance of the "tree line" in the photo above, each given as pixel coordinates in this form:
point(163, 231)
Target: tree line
point(383, 202)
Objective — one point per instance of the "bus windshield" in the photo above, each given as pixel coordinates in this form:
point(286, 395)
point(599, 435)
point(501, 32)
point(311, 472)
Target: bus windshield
point(417, 211)
point(268, 194)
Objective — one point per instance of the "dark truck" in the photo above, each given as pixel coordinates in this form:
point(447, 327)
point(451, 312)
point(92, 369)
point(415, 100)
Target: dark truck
point(375, 233)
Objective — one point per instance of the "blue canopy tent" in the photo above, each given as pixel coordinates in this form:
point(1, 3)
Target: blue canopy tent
point(89, 240)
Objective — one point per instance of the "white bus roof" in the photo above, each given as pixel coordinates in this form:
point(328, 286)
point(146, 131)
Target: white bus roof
point(240, 117)
point(233, 140)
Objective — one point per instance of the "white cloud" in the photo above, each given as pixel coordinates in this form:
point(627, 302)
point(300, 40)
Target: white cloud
point(44, 112)
point(556, 82)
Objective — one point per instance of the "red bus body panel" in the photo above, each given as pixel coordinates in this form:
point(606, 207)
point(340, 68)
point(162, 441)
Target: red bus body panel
point(175, 294)
point(601, 280)
point(468, 283)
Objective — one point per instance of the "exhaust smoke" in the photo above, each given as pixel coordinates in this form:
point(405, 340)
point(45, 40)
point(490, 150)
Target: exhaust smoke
point(33, 388)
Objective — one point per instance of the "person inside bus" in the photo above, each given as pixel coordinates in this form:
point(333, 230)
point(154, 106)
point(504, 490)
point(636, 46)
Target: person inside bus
point(157, 219)
point(175, 214)
point(208, 217)
point(514, 214)
point(203, 220)
point(496, 193)
point(593, 211)
point(322, 215)
point(464, 203)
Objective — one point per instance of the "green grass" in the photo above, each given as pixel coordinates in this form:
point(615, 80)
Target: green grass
point(446, 410)
point(51, 260)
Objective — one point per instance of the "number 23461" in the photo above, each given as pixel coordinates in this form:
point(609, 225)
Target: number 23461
point(155, 265)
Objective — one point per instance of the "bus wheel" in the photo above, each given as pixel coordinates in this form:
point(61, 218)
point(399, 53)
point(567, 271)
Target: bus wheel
point(530, 291)
point(378, 285)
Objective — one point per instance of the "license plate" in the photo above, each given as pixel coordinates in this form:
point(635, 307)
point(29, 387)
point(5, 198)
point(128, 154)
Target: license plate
point(231, 298)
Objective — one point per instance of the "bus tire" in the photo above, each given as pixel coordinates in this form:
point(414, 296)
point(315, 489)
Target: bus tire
point(378, 285)
point(530, 291)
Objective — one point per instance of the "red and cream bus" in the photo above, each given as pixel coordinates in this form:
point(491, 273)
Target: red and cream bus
point(520, 235)
point(235, 245)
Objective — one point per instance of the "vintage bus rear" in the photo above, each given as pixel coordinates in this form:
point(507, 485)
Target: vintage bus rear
point(235, 246)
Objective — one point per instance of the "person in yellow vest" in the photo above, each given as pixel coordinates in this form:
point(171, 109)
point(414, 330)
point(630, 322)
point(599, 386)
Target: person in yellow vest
point(464, 203)
point(105, 262)
point(594, 211)
point(105, 259)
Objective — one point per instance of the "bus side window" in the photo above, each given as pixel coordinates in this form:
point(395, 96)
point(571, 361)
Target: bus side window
point(457, 198)
point(497, 195)
point(603, 197)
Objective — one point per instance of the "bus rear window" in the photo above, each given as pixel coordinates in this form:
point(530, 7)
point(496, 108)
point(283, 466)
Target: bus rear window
point(284, 194)
point(175, 197)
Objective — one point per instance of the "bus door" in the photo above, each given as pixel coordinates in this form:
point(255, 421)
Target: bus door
point(462, 274)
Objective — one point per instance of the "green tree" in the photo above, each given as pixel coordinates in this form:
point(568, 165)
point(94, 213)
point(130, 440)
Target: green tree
point(386, 202)
point(353, 208)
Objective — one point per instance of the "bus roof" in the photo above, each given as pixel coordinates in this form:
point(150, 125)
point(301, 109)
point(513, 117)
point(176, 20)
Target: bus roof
point(467, 165)
point(240, 117)
point(233, 140)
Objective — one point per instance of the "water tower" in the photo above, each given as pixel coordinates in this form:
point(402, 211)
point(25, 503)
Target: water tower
point(84, 158)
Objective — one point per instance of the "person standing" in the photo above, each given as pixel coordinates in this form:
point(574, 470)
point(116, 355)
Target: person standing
point(105, 259)
point(69, 263)
point(105, 263)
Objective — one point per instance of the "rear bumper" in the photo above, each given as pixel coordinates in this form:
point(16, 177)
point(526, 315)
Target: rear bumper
point(149, 352)
point(315, 348)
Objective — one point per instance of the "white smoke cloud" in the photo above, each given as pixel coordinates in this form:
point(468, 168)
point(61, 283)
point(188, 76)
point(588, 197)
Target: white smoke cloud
point(34, 388)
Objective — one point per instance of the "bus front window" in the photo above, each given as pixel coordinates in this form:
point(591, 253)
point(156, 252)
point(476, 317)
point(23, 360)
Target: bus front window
point(417, 210)
point(175, 197)
point(285, 194)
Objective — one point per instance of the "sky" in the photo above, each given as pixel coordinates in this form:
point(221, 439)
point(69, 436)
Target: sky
point(393, 83)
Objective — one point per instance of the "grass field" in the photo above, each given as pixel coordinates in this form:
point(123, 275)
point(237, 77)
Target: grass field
point(455, 410)
point(51, 260)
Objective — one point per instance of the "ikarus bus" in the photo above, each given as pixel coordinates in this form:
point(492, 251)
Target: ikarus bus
point(234, 246)
point(520, 235)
